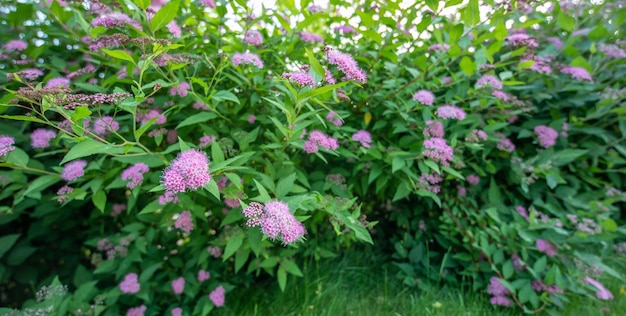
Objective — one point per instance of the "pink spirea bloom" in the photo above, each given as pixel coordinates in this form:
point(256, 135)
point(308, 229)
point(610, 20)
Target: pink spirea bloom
point(217, 296)
point(500, 300)
point(206, 140)
point(105, 125)
point(181, 89)
point(311, 37)
point(172, 136)
point(546, 247)
point(364, 137)
point(546, 136)
point(424, 97)
point(137, 311)
point(30, 74)
point(200, 106)
point(189, 171)
point(177, 311)
point(275, 221)
point(522, 211)
point(522, 39)
point(313, 8)
point(501, 95)
point(178, 286)
point(434, 129)
point(203, 275)
point(540, 65)
point(438, 150)
point(40, 138)
point(612, 51)
point(247, 58)
point(345, 29)
point(319, 138)
point(300, 77)
point(73, 170)
point(6, 145)
point(117, 209)
point(251, 118)
point(333, 118)
point(505, 144)
point(174, 29)
point(476, 136)
point(216, 252)
point(62, 192)
point(489, 80)
point(577, 73)
point(253, 37)
point(450, 112)
point(602, 293)
point(430, 182)
point(347, 65)
point(153, 113)
point(473, 179)
point(440, 47)
point(496, 288)
point(15, 45)
point(208, 3)
point(558, 44)
point(184, 222)
point(130, 285)
point(135, 173)
point(461, 190)
point(115, 19)
point(58, 82)
point(328, 76)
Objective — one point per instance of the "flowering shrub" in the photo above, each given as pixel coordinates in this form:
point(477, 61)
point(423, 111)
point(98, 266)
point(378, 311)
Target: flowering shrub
point(184, 147)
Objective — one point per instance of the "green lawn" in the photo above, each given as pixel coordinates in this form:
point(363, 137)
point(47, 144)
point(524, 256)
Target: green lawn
point(347, 286)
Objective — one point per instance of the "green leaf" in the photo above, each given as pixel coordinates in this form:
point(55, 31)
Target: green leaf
point(291, 267)
point(471, 13)
point(20, 254)
point(285, 185)
point(197, 118)
point(224, 96)
point(213, 189)
point(6, 242)
point(85, 148)
point(494, 193)
point(456, 32)
point(507, 269)
point(525, 292)
point(142, 3)
point(566, 156)
point(234, 243)
point(263, 195)
point(18, 157)
point(216, 153)
point(241, 257)
point(565, 21)
point(99, 200)
point(22, 118)
point(467, 65)
point(433, 5)
point(609, 225)
point(317, 67)
point(120, 54)
point(282, 278)
point(540, 265)
point(165, 15)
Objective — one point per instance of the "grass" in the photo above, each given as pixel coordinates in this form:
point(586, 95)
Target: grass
point(349, 286)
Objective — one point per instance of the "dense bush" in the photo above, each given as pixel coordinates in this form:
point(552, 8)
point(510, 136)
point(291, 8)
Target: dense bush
point(156, 156)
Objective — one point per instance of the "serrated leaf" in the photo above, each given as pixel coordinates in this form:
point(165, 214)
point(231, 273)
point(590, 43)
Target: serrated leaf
point(99, 200)
point(165, 15)
point(285, 185)
point(120, 54)
point(234, 243)
point(86, 147)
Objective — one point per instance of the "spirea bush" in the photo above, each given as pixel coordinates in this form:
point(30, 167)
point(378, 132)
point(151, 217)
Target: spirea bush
point(157, 155)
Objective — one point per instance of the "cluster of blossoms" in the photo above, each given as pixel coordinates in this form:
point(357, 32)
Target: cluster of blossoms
point(346, 64)
point(115, 19)
point(540, 64)
point(473, 179)
point(137, 311)
point(207, 140)
point(546, 136)
point(253, 37)
point(58, 82)
point(181, 89)
point(135, 173)
point(63, 192)
point(522, 40)
point(28, 74)
point(505, 144)
point(217, 296)
point(71, 101)
point(434, 129)
point(15, 45)
point(275, 221)
point(499, 292)
point(130, 285)
point(522, 211)
point(300, 77)
point(184, 222)
point(438, 150)
point(612, 50)
point(333, 118)
point(540, 286)
point(178, 286)
point(247, 58)
point(311, 37)
point(476, 136)
point(174, 29)
point(439, 47)
point(41, 137)
point(546, 247)
point(577, 73)
point(105, 125)
point(345, 29)
point(111, 250)
point(363, 137)
point(450, 112)
point(489, 81)
point(189, 171)
point(319, 138)
point(73, 170)
point(144, 118)
point(424, 97)
point(430, 182)
point(602, 292)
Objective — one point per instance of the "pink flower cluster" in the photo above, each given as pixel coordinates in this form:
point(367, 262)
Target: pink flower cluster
point(444, 47)
point(476, 136)
point(434, 129)
point(63, 192)
point(217, 296)
point(424, 97)
point(208, 3)
point(430, 182)
point(247, 58)
point(182, 89)
point(541, 64)
point(450, 112)
point(184, 222)
point(135, 173)
point(105, 125)
point(174, 29)
point(311, 37)
point(546, 136)
point(347, 65)
point(333, 118)
point(178, 286)
point(505, 144)
point(300, 77)
point(438, 150)
point(611, 50)
point(345, 29)
point(546, 247)
point(177, 311)
point(364, 137)
point(275, 221)
point(473, 179)
point(522, 211)
point(130, 285)
point(15, 45)
point(522, 39)
point(73, 170)
point(203, 275)
point(253, 37)
point(40, 138)
point(499, 292)
point(540, 286)
point(137, 311)
point(6, 145)
point(189, 171)
point(207, 140)
point(58, 83)
point(489, 80)
point(319, 138)
point(144, 118)
point(577, 73)
point(115, 19)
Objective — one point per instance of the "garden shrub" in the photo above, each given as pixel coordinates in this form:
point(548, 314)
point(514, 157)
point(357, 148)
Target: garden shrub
point(157, 155)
